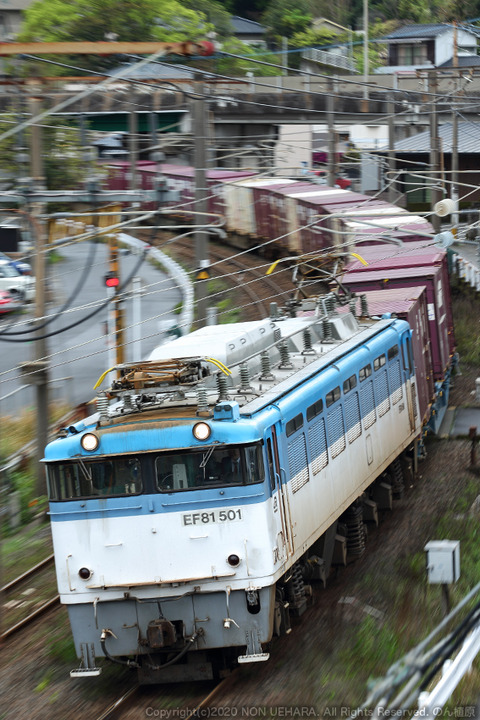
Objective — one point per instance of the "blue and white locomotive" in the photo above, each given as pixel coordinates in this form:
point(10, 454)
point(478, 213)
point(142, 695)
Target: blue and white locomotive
point(190, 513)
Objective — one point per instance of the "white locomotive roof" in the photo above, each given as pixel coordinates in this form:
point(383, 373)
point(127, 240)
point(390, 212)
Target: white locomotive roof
point(228, 343)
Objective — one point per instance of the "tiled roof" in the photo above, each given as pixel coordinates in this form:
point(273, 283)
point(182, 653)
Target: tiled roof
point(463, 61)
point(417, 31)
point(242, 25)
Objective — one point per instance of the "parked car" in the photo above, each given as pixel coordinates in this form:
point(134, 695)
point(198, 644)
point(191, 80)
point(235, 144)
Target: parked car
point(8, 303)
point(19, 286)
point(23, 267)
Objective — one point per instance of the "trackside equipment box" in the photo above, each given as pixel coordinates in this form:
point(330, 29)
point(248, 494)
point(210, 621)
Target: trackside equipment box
point(443, 561)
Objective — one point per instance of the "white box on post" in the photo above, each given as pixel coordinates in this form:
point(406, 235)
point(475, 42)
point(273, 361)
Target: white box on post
point(443, 561)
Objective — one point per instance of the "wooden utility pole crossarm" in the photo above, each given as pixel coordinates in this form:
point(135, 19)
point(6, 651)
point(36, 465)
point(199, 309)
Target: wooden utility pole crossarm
point(203, 47)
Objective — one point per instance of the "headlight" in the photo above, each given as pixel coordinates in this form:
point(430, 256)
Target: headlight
point(90, 442)
point(202, 431)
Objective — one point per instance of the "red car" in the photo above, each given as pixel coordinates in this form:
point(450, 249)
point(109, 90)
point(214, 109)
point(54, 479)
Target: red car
point(7, 302)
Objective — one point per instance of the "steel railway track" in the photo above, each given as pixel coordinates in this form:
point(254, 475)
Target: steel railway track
point(14, 586)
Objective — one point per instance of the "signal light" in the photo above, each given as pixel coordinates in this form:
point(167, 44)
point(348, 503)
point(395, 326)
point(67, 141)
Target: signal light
point(112, 280)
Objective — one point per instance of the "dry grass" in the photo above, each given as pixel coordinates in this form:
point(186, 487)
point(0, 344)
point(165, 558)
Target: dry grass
point(16, 432)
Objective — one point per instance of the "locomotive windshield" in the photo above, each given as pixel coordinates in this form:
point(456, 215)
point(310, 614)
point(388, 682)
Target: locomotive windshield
point(119, 476)
point(155, 472)
point(211, 466)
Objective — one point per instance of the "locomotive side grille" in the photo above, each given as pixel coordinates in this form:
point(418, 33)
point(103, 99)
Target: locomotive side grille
point(352, 417)
point(336, 431)
point(381, 392)
point(318, 446)
point(395, 381)
point(297, 462)
point(414, 399)
point(368, 404)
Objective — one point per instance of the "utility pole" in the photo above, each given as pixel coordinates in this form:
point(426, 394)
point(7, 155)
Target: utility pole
point(332, 145)
point(200, 132)
point(391, 149)
point(454, 185)
point(434, 148)
point(365, 53)
point(40, 365)
point(133, 147)
point(118, 311)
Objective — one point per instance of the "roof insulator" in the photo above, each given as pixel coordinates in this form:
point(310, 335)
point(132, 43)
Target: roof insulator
point(307, 343)
point(244, 380)
point(266, 366)
point(285, 362)
point(202, 401)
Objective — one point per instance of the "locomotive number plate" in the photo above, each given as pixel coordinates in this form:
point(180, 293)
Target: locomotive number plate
point(212, 516)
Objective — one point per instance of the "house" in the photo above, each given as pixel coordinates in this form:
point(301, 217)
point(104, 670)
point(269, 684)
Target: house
point(249, 31)
point(412, 155)
point(11, 16)
point(415, 47)
point(336, 59)
point(322, 23)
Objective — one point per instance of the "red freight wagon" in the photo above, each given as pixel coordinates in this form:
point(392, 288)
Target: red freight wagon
point(391, 257)
point(409, 304)
point(438, 301)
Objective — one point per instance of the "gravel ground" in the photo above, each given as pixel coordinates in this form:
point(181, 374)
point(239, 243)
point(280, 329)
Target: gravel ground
point(311, 672)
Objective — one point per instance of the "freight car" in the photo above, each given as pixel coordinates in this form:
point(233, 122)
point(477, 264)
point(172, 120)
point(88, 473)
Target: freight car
point(286, 216)
point(405, 269)
point(171, 561)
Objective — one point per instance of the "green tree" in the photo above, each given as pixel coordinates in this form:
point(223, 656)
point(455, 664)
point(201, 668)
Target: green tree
point(238, 67)
point(214, 13)
point(283, 20)
point(64, 165)
point(94, 20)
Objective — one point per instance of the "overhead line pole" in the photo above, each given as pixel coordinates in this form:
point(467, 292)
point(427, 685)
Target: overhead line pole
point(434, 149)
point(332, 145)
point(200, 131)
point(392, 194)
point(40, 351)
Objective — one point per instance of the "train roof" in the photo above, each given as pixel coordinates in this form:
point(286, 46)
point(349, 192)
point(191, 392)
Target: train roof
point(395, 273)
point(392, 256)
point(392, 300)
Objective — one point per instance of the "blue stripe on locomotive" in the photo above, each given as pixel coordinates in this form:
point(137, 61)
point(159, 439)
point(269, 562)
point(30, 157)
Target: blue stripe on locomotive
point(342, 416)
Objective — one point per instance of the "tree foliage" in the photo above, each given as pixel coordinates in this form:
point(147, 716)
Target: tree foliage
point(64, 164)
point(239, 67)
point(284, 20)
point(95, 20)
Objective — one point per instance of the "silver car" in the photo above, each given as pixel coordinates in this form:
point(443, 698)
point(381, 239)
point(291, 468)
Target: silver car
point(19, 286)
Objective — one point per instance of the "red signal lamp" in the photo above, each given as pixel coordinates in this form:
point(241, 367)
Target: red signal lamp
point(112, 280)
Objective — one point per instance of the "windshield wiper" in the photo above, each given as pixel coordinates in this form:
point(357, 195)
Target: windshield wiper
point(86, 471)
point(206, 457)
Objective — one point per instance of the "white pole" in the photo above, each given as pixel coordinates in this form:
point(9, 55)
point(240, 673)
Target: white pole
point(137, 317)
